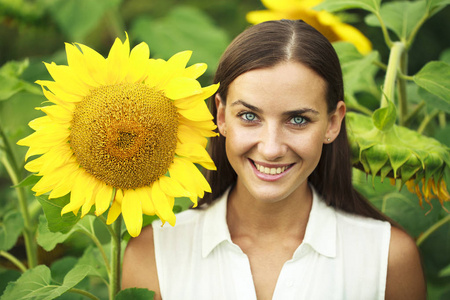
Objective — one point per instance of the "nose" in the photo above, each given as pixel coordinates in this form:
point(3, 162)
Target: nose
point(272, 145)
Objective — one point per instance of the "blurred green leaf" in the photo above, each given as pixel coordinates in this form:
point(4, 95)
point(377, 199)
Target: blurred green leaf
point(445, 56)
point(384, 117)
point(37, 283)
point(10, 82)
point(77, 18)
point(434, 101)
point(52, 210)
point(10, 229)
point(48, 239)
point(434, 5)
point(337, 5)
point(135, 294)
point(400, 16)
point(28, 181)
point(14, 68)
point(435, 78)
point(6, 276)
point(183, 28)
point(435, 249)
point(93, 258)
point(61, 267)
point(445, 271)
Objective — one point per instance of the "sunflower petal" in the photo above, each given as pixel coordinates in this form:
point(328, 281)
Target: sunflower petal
point(196, 154)
point(116, 208)
point(103, 199)
point(182, 87)
point(162, 206)
point(145, 195)
point(195, 71)
point(132, 212)
point(138, 63)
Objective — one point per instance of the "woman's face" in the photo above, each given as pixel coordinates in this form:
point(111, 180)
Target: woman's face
point(276, 122)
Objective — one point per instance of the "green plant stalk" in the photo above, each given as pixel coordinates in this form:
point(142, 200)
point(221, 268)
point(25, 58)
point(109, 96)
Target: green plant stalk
point(414, 32)
point(414, 113)
point(115, 274)
point(100, 248)
point(84, 293)
point(402, 96)
point(386, 36)
point(9, 162)
point(442, 119)
point(432, 229)
point(391, 73)
point(427, 120)
point(14, 260)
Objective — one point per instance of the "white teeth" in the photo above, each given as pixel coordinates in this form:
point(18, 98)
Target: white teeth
point(270, 171)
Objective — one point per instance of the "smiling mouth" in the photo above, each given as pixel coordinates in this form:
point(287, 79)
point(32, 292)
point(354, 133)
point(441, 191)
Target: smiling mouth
point(270, 171)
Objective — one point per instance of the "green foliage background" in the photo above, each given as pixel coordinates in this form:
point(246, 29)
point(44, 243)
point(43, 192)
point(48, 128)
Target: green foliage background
point(35, 31)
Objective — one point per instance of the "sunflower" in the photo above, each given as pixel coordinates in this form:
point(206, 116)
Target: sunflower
point(124, 133)
point(328, 24)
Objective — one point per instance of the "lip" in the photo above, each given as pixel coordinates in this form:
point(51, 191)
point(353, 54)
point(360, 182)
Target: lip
point(270, 177)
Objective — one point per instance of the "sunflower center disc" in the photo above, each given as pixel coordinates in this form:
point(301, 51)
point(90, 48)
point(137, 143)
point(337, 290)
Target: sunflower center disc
point(125, 135)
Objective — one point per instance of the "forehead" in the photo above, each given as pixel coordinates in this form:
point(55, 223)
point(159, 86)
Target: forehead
point(288, 84)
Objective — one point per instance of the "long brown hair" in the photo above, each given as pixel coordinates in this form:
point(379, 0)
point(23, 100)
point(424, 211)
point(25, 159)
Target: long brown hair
point(266, 45)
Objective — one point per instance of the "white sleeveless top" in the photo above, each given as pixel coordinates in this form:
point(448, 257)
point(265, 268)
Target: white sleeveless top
point(342, 256)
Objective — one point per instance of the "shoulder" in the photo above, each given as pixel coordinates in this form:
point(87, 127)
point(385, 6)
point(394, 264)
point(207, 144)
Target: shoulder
point(405, 279)
point(139, 265)
point(355, 222)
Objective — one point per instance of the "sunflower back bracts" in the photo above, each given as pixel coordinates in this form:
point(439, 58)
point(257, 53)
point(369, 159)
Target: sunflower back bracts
point(400, 153)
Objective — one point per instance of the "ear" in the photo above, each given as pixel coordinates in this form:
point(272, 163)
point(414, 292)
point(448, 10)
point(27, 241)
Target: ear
point(221, 124)
point(334, 122)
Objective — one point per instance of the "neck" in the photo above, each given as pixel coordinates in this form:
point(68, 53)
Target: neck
point(250, 217)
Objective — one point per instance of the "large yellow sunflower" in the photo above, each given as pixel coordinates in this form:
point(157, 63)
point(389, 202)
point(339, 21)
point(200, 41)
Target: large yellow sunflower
point(328, 24)
point(123, 134)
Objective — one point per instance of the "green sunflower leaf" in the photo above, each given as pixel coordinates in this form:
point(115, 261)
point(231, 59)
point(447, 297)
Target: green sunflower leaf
point(28, 181)
point(77, 18)
point(400, 16)
point(435, 78)
point(11, 227)
point(436, 5)
point(337, 5)
point(48, 239)
point(52, 210)
point(434, 101)
point(183, 28)
point(37, 283)
point(135, 293)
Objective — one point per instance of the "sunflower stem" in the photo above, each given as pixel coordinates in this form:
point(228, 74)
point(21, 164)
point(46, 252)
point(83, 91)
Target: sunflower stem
point(114, 275)
point(432, 229)
point(9, 161)
point(402, 96)
point(391, 73)
point(14, 260)
point(84, 293)
point(386, 36)
point(100, 248)
point(427, 121)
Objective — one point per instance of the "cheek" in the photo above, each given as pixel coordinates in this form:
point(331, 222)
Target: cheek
point(239, 141)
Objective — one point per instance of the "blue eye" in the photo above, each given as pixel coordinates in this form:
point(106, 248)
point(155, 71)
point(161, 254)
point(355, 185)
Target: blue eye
point(248, 117)
point(298, 120)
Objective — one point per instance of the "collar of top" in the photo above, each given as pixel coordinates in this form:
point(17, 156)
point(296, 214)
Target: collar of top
point(320, 233)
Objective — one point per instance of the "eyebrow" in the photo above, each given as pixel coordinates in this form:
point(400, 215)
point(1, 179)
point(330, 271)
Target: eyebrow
point(287, 113)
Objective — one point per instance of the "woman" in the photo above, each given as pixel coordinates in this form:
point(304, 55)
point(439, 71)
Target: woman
point(283, 220)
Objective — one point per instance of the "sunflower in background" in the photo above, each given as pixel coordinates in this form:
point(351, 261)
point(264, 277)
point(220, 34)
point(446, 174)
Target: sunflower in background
point(123, 133)
point(328, 24)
